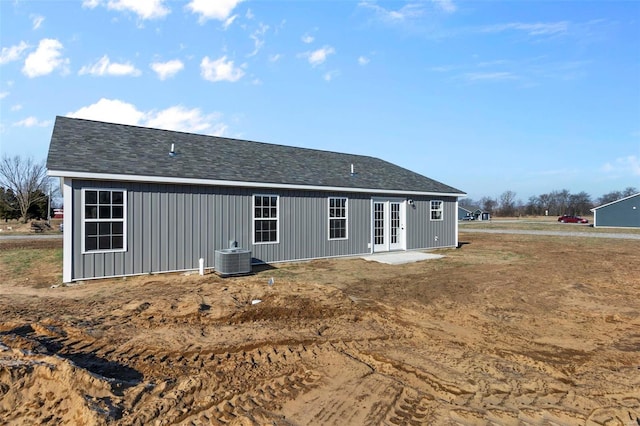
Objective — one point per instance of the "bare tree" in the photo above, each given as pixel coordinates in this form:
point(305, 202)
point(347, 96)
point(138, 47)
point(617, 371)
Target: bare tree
point(488, 204)
point(468, 202)
point(534, 205)
point(26, 179)
point(559, 202)
point(508, 203)
point(580, 203)
point(610, 197)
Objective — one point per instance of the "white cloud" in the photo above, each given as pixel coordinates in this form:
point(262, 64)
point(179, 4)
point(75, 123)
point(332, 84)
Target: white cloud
point(4, 95)
point(111, 110)
point(475, 76)
point(537, 29)
point(32, 122)
point(406, 12)
point(417, 15)
point(328, 76)
point(307, 38)
point(275, 57)
point(318, 57)
point(220, 70)
point(16, 107)
point(443, 68)
point(167, 69)
point(176, 117)
point(623, 165)
point(105, 67)
point(363, 60)
point(185, 120)
point(485, 64)
point(90, 4)
point(145, 9)
point(258, 38)
point(13, 53)
point(45, 59)
point(207, 9)
point(446, 5)
point(37, 21)
point(229, 21)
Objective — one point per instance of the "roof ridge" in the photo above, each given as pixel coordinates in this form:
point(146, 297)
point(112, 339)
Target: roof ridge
point(155, 129)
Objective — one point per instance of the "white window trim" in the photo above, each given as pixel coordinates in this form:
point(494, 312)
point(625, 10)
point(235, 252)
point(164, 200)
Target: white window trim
point(253, 221)
point(346, 218)
point(124, 221)
point(441, 210)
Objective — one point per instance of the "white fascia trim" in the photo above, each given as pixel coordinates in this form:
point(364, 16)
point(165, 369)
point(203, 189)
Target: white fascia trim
point(192, 181)
point(67, 234)
point(456, 223)
point(614, 202)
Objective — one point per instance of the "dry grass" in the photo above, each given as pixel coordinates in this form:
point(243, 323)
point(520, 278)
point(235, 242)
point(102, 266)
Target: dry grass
point(31, 262)
point(542, 223)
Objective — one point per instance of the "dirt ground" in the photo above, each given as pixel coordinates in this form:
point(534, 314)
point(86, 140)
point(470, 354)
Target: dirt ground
point(506, 330)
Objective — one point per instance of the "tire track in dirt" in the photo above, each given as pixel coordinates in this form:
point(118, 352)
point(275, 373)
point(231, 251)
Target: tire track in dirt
point(255, 382)
point(421, 347)
point(235, 384)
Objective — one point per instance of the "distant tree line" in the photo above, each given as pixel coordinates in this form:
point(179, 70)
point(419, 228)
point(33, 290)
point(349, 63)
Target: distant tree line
point(24, 189)
point(554, 203)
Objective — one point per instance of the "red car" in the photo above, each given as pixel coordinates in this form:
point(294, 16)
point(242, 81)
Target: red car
point(572, 219)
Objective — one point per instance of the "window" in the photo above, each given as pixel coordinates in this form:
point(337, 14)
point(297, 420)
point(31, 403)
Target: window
point(265, 219)
point(378, 223)
point(103, 220)
point(436, 210)
point(337, 218)
point(395, 223)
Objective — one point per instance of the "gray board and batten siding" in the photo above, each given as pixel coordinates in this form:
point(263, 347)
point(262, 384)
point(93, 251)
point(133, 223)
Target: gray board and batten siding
point(172, 226)
point(623, 213)
point(182, 206)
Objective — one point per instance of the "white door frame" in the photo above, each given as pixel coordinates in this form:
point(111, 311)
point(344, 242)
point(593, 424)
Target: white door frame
point(388, 224)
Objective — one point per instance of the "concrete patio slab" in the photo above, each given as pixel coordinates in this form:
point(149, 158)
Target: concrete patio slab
point(399, 258)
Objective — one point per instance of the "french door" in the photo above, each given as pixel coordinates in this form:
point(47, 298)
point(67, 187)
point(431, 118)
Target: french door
point(388, 225)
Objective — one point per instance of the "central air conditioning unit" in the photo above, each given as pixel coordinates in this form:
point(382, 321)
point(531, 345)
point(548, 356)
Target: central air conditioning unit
point(232, 261)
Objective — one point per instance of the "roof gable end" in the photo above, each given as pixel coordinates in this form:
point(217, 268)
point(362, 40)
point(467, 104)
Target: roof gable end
point(616, 201)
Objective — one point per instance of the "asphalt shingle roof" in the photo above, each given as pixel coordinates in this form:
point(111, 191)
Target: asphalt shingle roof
point(85, 146)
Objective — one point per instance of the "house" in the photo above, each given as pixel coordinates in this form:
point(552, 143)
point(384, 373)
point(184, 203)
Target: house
point(140, 200)
point(464, 214)
point(481, 215)
point(470, 213)
point(624, 213)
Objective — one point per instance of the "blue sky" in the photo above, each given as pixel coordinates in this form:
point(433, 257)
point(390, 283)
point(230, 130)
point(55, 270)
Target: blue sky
point(486, 96)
